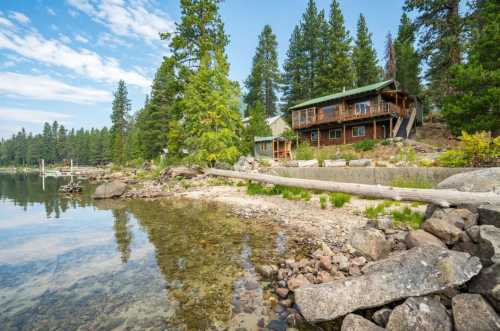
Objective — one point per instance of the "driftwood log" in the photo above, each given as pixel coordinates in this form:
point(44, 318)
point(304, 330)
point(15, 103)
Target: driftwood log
point(443, 197)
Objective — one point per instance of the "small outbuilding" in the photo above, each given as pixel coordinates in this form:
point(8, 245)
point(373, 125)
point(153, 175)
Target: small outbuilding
point(272, 147)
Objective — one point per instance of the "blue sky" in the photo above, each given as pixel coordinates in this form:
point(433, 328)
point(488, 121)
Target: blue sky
point(61, 59)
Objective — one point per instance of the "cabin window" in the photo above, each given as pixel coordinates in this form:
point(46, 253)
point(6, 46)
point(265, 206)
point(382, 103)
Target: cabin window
point(314, 135)
point(334, 134)
point(263, 147)
point(358, 131)
point(302, 117)
point(362, 107)
point(329, 111)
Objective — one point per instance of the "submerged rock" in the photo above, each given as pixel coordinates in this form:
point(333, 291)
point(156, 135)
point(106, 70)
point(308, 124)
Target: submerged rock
point(423, 314)
point(353, 322)
point(110, 190)
point(472, 313)
point(416, 272)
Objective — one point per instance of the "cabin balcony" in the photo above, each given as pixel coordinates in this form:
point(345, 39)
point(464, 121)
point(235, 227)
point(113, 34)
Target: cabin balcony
point(309, 117)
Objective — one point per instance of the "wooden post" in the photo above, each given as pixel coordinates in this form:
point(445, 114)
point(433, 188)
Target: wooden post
point(390, 127)
point(272, 148)
point(374, 129)
point(319, 137)
point(343, 133)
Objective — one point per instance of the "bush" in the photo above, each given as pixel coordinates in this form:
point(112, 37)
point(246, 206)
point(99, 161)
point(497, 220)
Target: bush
point(338, 200)
point(426, 163)
point(322, 201)
point(365, 145)
point(407, 217)
point(453, 158)
point(386, 142)
point(480, 148)
point(304, 152)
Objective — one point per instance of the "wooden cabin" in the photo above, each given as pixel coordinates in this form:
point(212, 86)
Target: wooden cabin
point(376, 111)
point(272, 147)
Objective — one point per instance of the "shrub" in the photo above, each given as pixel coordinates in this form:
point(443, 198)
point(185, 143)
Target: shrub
point(453, 158)
point(304, 152)
point(407, 217)
point(365, 145)
point(426, 163)
point(348, 156)
point(407, 154)
point(386, 142)
point(338, 200)
point(322, 201)
point(410, 183)
point(480, 148)
point(374, 212)
point(324, 154)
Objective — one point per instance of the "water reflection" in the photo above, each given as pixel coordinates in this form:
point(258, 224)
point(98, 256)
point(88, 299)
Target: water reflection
point(126, 264)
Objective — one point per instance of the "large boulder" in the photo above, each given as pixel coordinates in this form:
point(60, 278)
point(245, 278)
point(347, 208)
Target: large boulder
point(442, 229)
point(416, 272)
point(460, 217)
point(245, 163)
point(360, 163)
point(489, 215)
point(484, 180)
point(487, 283)
point(489, 244)
point(370, 243)
point(420, 238)
point(334, 163)
point(353, 322)
point(472, 313)
point(110, 190)
point(423, 314)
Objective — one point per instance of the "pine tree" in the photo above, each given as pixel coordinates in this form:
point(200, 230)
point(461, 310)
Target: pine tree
point(440, 27)
point(257, 126)
point(337, 71)
point(121, 109)
point(212, 119)
point(293, 89)
point(262, 83)
point(475, 103)
point(364, 56)
point(310, 28)
point(390, 58)
point(407, 58)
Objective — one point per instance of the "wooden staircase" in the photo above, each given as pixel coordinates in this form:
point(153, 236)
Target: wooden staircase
point(404, 125)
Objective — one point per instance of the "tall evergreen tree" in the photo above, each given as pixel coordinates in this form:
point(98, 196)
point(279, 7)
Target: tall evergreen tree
point(337, 73)
point(310, 27)
point(475, 103)
point(121, 109)
point(364, 56)
point(390, 58)
point(407, 58)
point(293, 89)
point(262, 83)
point(440, 27)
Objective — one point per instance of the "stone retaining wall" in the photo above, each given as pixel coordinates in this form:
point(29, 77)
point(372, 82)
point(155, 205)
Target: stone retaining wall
point(372, 175)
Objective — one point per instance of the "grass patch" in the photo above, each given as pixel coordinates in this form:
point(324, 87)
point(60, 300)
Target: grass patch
point(365, 145)
point(323, 201)
point(410, 183)
point(408, 217)
point(338, 200)
point(304, 152)
point(373, 213)
point(290, 193)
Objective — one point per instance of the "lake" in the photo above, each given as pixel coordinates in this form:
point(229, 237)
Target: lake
point(70, 263)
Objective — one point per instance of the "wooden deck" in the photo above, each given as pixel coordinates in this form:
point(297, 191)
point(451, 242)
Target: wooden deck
point(342, 113)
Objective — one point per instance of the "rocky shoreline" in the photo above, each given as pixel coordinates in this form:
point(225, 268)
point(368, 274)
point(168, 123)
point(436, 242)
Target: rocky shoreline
point(368, 275)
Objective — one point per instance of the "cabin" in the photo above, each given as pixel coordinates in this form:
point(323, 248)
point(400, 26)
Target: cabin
point(375, 111)
point(274, 146)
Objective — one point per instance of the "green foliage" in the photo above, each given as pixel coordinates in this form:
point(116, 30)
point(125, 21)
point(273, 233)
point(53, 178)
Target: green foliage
point(304, 152)
point(323, 201)
point(373, 213)
point(257, 125)
point(338, 199)
point(407, 217)
point(262, 83)
point(407, 58)
point(425, 163)
point(407, 154)
point(365, 145)
point(290, 135)
point(386, 142)
point(410, 183)
point(453, 158)
point(475, 150)
point(119, 116)
point(364, 56)
point(290, 193)
point(348, 156)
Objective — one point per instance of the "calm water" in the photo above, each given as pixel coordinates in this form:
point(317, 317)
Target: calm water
point(72, 264)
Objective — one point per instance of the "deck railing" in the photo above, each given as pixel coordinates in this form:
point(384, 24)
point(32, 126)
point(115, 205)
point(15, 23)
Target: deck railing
point(314, 116)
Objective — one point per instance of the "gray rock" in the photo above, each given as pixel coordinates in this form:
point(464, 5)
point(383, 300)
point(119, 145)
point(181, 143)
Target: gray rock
point(484, 180)
point(473, 233)
point(370, 242)
point(487, 283)
point(472, 313)
point(342, 261)
point(489, 215)
point(460, 217)
point(420, 238)
point(353, 322)
point(245, 163)
point(267, 271)
point(360, 163)
point(423, 314)
point(381, 316)
point(442, 229)
point(110, 190)
point(307, 163)
point(334, 163)
point(183, 172)
point(418, 271)
point(489, 243)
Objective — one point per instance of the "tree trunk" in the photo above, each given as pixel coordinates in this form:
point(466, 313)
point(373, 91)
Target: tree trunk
point(444, 198)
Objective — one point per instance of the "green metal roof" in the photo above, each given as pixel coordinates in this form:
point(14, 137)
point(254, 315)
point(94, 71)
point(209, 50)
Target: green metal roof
point(340, 95)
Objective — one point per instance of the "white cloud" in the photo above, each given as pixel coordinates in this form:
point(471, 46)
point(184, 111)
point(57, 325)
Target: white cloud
point(81, 39)
point(31, 116)
point(51, 12)
point(6, 22)
point(107, 39)
point(41, 87)
point(32, 45)
point(132, 18)
point(64, 38)
point(20, 17)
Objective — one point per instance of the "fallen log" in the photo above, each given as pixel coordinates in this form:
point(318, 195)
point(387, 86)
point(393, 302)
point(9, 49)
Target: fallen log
point(442, 197)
